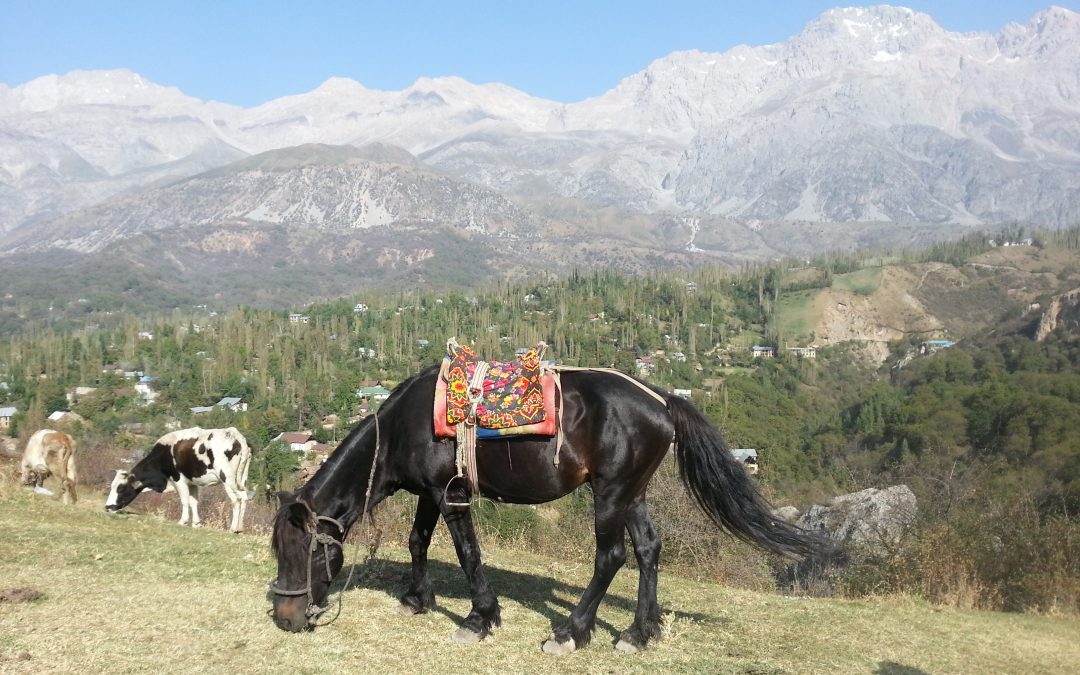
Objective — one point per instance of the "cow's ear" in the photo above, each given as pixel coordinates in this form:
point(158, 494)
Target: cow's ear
point(285, 498)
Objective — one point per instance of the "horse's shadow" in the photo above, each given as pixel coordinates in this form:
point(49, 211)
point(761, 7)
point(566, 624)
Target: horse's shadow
point(540, 594)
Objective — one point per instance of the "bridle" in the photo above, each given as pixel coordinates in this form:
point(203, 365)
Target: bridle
point(311, 526)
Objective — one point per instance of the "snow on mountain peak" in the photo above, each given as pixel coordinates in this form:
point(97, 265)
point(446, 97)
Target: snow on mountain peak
point(341, 86)
point(94, 87)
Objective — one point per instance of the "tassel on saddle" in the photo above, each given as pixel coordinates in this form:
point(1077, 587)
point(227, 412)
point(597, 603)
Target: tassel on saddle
point(476, 399)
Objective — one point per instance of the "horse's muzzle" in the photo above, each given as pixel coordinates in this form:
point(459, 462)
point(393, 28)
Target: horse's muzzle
point(291, 614)
point(292, 624)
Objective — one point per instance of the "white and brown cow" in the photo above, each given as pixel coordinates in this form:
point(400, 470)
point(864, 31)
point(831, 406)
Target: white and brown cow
point(51, 452)
point(188, 460)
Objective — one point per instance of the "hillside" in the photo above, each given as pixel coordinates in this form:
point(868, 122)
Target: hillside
point(312, 222)
point(889, 301)
point(135, 592)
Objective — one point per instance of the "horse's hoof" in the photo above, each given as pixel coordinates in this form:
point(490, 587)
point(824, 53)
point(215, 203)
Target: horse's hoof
point(405, 609)
point(560, 648)
point(464, 636)
point(627, 647)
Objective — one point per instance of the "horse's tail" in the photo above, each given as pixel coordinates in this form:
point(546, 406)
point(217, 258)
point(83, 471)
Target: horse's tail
point(724, 490)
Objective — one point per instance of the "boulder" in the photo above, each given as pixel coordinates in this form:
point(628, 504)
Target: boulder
point(787, 513)
point(861, 526)
point(871, 521)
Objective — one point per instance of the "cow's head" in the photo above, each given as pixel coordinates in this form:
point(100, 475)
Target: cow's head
point(302, 583)
point(125, 488)
point(35, 478)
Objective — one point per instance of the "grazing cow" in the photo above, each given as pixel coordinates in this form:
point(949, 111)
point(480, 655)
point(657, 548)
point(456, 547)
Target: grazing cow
point(51, 452)
point(188, 460)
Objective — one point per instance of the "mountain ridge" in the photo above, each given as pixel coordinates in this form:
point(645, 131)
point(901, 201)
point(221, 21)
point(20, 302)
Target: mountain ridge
point(867, 114)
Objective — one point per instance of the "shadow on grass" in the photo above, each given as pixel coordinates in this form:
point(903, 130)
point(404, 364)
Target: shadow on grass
point(543, 595)
point(890, 668)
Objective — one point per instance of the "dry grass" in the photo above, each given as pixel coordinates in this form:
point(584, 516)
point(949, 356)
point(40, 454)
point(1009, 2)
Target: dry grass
point(138, 594)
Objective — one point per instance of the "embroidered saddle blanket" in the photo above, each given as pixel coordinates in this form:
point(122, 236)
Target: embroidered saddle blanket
point(512, 399)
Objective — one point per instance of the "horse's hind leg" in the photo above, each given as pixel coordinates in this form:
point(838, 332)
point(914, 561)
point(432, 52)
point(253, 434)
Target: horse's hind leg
point(485, 606)
point(647, 551)
point(420, 598)
point(610, 556)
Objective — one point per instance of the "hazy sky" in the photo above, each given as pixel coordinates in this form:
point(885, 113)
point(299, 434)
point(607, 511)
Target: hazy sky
point(247, 53)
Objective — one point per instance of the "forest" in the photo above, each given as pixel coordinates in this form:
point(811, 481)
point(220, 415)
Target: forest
point(982, 432)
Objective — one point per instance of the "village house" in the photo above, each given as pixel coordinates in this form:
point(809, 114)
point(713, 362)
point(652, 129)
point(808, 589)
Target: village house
point(298, 318)
point(804, 352)
point(748, 458)
point(298, 441)
point(145, 390)
point(65, 417)
point(360, 308)
point(762, 351)
point(233, 403)
point(932, 346)
point(200, 409)
point(376, 393)
point(5, 416)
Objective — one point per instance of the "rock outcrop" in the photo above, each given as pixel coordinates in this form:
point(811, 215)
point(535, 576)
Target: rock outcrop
point(869, 521)
point(1064, 309)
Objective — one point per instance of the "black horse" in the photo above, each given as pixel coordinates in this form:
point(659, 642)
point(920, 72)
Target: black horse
point(617, 431)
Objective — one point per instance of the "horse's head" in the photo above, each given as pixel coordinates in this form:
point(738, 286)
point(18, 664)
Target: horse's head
point(309, 555)
point(125, 488)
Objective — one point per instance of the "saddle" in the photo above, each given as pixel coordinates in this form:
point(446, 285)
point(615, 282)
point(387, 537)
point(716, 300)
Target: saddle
point(498, 398)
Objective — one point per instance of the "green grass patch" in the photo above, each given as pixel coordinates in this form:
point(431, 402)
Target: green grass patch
point(139, 594)
point(798, 313)
point(863, 282)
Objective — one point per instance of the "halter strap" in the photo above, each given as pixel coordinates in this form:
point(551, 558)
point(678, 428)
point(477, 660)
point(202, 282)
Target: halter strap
point(317, 538)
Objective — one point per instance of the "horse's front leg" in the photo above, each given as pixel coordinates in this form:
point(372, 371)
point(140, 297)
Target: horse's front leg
point(485, 606)
point(420, 598)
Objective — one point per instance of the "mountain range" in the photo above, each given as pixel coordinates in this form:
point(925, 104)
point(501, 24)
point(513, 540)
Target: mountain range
point(872, 125)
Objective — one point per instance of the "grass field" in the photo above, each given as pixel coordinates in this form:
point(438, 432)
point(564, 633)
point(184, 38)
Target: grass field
point(138, 594)
point(799, 313)
point(863, 282)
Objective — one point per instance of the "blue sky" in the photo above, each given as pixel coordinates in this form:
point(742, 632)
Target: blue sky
point(247, 53)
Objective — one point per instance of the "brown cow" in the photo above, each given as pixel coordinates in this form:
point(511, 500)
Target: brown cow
point(48, 452)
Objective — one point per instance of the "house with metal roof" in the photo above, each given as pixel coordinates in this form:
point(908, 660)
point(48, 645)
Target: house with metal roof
point(233, 403)
point(747, 457)
point(5, 416)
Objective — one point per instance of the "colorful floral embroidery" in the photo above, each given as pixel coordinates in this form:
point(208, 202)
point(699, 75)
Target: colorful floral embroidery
point(512, 395)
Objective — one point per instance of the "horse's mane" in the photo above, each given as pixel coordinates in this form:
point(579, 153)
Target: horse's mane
point(342, 453)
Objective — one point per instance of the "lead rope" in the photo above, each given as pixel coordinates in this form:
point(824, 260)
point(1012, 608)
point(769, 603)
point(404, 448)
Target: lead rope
point(313, 618)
